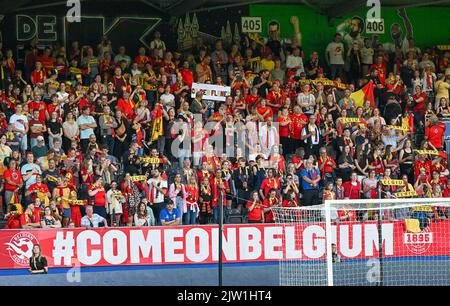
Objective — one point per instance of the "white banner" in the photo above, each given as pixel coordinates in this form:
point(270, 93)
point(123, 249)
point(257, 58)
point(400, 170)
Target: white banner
point(211, 92)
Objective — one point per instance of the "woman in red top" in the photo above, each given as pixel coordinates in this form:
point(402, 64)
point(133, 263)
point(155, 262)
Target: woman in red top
point(263, 110)
point(269, 183)
point(352, 187)
point(420, 99)
point(239, 101)
point(269, 202)
point(87, 177)
point(97, 191)
point(255, 209)
point(377, 163)
point(192, 201)
point(277, 160)
point(284, 122)
point(219, 189)
point(13, 182)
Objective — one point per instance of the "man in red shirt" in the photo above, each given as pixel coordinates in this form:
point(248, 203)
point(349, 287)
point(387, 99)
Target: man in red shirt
point(252, 99)
point(141, 59)
point(326, 166)
point(187, 74)
point(38, 190)
point(298, 121)
point(276, 97)
point(41, 107)
point(38, 75)
point(13, 182)
point(98, 193)
point(380, 67)
point(435, 132)
point(46, 59)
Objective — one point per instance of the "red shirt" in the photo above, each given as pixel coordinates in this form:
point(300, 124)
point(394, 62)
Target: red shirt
point(15, 176)
point(41, 106)
point(47, 61)
point(213, 161)
point(351, 215)
point(37, 77)
point(289, 203)
point(298, 161)
point(215, 192)
point(33, 218)
point(296, 125)
point(38, 187)
point(327, 168)
point(141, 60)
point(419, 107)
point(250, 100)
point(127, 108)
point(351, 191)
point(435, 135)
point(446, 193)
point(256, 213)
point(193, 195)
point(267, 203)
point(99, 197)
point(188, 76)
point(279, 159)
point(55, 108)
point(84, 102)
point(268, 184)
point(283, 130)
point(262, 110)
point(418, 165)
point(276, 98)
point(381, 72)
point(203, 173)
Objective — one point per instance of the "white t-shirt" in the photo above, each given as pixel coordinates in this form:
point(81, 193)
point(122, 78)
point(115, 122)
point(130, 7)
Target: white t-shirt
point(62, 96)
point(294, 62)
point(336, 51)
point(367, 56)
point(19, 121)
point(158, 196)
point(303, 99)
point(158, 44)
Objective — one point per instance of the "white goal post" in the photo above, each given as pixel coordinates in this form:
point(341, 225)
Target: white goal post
point(366, 242)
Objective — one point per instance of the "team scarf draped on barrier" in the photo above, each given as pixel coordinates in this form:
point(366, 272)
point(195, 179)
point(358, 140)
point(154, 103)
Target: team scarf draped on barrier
point(198, 245)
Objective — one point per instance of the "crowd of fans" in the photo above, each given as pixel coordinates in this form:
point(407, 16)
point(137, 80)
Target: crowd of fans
point(88, 133)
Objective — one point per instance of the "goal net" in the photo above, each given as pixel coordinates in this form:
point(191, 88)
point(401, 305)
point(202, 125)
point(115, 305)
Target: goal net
point(389, 242)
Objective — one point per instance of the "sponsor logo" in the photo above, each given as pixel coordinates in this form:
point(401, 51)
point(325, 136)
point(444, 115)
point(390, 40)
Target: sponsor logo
point(20, 247)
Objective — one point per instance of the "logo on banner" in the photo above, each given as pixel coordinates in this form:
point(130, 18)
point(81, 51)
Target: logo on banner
point(418, 243)
point(20, 248)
